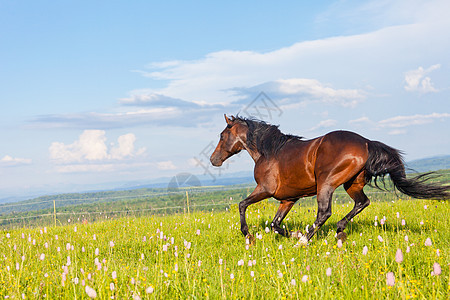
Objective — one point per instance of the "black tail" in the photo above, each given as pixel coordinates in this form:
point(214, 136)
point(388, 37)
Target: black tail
point(386, 160)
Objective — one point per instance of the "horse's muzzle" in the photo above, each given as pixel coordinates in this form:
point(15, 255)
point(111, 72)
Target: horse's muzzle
point(215, 161)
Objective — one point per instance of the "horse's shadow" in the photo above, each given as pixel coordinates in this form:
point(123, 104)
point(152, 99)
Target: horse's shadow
point(355, 227)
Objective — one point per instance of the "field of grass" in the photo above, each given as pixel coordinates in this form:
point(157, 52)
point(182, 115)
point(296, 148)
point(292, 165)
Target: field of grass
point(203, 255)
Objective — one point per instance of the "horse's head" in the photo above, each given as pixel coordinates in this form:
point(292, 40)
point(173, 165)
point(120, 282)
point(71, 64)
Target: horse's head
point(232, 141)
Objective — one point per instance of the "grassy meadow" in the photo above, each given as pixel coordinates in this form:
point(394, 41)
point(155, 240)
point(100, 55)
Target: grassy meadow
point(203, 255)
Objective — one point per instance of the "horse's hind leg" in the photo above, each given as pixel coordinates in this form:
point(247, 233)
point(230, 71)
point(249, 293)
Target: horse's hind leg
point(354, 188)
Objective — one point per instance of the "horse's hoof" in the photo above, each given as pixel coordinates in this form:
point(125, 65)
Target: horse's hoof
point(302, 239)
point(249, 239)
point(341, 236)
point(296, 234)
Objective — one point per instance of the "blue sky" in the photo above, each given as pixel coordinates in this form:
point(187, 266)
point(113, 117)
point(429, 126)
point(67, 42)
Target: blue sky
point(95, 92)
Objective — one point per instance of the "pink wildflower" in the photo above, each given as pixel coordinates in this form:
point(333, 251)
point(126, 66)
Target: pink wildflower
point(437, 269)
point(365, 250)
point(399, 256)
point(390, 279)
point(90, 292)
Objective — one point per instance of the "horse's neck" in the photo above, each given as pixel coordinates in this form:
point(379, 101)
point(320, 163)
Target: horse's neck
point(255, 155)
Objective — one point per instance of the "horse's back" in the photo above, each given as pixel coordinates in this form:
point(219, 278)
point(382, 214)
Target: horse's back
point(340, 136)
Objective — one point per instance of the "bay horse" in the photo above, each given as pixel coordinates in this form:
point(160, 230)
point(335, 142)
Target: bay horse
point(287, 168)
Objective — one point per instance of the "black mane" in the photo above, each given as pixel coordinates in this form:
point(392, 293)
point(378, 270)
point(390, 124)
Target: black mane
point(265, 138)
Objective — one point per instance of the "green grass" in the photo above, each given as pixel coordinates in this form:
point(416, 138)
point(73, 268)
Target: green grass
point(142, 265)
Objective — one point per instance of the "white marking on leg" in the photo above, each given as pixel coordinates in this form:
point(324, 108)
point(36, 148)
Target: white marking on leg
point(303, 240)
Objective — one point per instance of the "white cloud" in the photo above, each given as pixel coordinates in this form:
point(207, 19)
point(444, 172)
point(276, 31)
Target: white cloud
point(91, 147)
point(129, 118)
point(83, 168)
point(360, 120)
point(315, 88)
point(101, 167)
point(192, 162)
point(417, 81)
point(8, 160)
point(125, 147)
point(294, 92)
point(156, 113)
point(331, 71)
point(359, 59)
point(324, 124)
point(397, 132)
point(405, 121)
point(145, 97)
point(166, 165)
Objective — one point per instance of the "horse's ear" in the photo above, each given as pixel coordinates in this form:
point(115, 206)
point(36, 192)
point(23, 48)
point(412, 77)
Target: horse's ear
point(228, 120)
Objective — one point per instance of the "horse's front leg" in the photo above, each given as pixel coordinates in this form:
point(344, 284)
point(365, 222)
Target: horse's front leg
point(283, 209)
point(257, 195)
point(324, 197)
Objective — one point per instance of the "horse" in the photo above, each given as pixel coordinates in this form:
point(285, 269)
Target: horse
point(288, 167)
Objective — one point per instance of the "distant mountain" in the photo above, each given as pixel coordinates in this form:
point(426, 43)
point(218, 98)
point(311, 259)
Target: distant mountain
point(202, 180)
point(430, 164)
point(246, 177)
